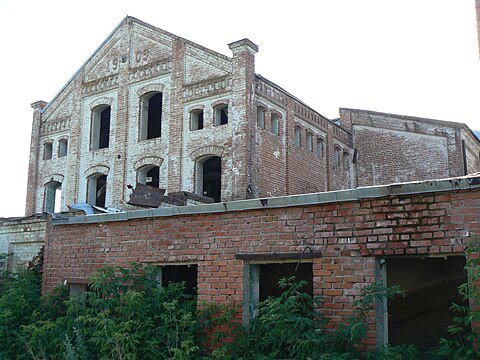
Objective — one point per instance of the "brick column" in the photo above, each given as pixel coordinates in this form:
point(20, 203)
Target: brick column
point(242, 114)
point(30, 207)
point(175, 123)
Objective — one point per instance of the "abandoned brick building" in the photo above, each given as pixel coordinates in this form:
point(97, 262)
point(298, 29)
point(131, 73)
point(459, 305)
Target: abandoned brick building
point(153, 108)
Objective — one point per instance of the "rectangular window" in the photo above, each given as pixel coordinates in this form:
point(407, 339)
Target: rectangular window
point(47, 151)
point(423, 316)
point(180, 273)
point(261, 281)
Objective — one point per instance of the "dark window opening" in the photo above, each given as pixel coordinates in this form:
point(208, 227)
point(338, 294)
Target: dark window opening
point(181, 273)
point(155, 116)
point(270, 274)
point(221, 115)
point(101, 188)
point(423, 316)
point(153, 177)
point(197, 120)
point(47, 151)
point(100, 131)
point(212, 178)
point(104, 136)
point(97, 190)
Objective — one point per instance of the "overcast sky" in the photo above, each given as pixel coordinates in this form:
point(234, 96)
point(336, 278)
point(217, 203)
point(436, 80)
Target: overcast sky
point(409, 57)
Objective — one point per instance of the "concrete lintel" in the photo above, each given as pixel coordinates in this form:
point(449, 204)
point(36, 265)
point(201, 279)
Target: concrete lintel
point(431, 186)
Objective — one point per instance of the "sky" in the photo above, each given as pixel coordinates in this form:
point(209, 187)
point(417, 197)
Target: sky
point(408, 57)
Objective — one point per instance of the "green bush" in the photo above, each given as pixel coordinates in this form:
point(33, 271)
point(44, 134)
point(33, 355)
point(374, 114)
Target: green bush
point(124, 315)
point(463, 342)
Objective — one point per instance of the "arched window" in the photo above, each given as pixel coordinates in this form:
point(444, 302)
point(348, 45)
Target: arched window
point(297, 136)
point(100, 131)
point(151, 115)
point(149, 175)
point(275, 124)
point(53, 196)
point(47, 150)
point(260, 117)
point(97, 190)
point(220, 115)
point(209, 177)
point(196, 119)
point(320, 147)
point(338, 156)
point(309, 141)
point(62, 147)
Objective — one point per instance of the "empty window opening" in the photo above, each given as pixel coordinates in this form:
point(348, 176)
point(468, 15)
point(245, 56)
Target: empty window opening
point(423, 316)
point(338, 156)
point(196, 120)
point(309, 141)
point(151, 116)
point(62, 147)
point(221, 115)
point(320, 147)
point(346, 160)
point(260, 117)
point(297, 136)
point(100, 138)
point(47, 151)
point(262, 282)
point(53, 197)
point(149, 175)
point(209, 178)
point(180, 273)
point(275, 124)
point(97, 190)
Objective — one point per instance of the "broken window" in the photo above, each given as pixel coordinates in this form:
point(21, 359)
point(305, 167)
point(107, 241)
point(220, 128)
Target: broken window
point(309, 141)
point(180, 273)
point(97, 190)
point(422, 317)
point(62, 147)
point(275, 124)
point(100, 132)
point(149, 175)
point(221, 115)
point(53, 197)
point(209, 177)
point(346, 160)
point(320, 147)
point(260, 117)
point(151, 116)
point(297, 136)
point(196, 120)
point(47, 150)
point(262, 282)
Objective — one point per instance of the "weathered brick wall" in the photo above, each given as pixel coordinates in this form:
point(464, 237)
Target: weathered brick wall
point(395, 148)
point(350, 235)
point(22, 239)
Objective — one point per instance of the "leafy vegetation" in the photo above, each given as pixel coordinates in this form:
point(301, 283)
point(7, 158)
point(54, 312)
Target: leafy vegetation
point(124, 315)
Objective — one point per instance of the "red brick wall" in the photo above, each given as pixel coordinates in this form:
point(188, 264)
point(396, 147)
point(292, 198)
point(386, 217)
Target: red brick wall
point(349, 234)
